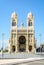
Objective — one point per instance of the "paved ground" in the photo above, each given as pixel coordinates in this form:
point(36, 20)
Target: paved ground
point(20, 55)
point(39, 62)
point(24, 58)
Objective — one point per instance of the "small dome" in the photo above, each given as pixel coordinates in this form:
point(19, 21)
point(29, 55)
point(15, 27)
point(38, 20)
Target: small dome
point(14, 15)
point(30, 15)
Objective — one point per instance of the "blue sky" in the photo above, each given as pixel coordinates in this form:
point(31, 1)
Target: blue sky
point(22, 7)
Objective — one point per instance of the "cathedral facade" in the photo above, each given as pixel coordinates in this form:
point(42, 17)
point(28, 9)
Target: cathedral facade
point(22, 39)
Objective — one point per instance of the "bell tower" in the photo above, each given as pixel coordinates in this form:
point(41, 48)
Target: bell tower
point(14, 20)
point(30, 31)
point(14, 25)
point(30, 20)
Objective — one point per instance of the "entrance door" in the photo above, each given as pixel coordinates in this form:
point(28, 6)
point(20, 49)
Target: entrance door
point(30, 48)
point(13, 48)
point(22, 44)
point(22, 47)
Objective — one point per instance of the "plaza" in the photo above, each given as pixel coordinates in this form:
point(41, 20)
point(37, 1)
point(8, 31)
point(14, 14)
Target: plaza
point(22, 59)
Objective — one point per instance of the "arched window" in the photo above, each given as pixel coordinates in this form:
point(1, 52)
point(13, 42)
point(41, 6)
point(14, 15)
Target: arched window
point(30, 23)
point(22, 40)
point(13, 23)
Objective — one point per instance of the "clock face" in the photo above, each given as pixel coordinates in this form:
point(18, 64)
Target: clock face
point(13, 23)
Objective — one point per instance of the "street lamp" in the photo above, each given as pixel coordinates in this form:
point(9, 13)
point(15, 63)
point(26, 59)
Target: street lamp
point(40, 41)
point(2, 43)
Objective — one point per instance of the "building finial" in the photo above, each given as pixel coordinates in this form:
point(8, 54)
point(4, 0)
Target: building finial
point(22, 24)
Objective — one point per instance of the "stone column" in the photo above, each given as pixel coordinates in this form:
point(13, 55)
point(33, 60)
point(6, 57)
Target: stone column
point(27, 42)
point(16, 42)
point(11, 44)
point(13, 39)
point(27, 46)
point(10, 47)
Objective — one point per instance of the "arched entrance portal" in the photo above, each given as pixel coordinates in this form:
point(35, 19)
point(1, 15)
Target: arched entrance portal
point(30, 48)
point(22, 44)
point(13, 48)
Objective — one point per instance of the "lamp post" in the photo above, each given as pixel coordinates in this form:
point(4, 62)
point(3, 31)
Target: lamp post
point(40, 42)
point(2, 43)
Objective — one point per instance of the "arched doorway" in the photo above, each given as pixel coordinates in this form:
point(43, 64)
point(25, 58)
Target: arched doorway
point(13, 48)
point(22, 44)
point(30, 48)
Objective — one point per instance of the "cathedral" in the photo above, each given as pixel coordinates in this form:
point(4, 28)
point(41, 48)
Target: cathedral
point(22, 39)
